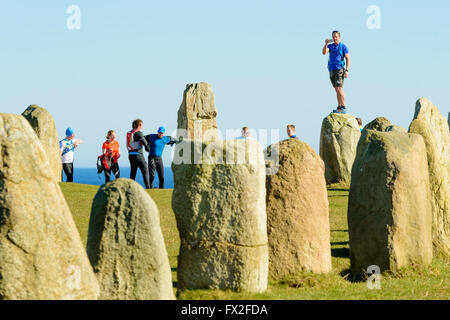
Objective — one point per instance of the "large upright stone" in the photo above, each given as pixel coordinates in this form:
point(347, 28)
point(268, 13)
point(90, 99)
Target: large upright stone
point(197, 113)
point(125, 244)
point(431, 125)
point(41, 253)
point(44, 125)
point(297, 212)
point(338, 141)
point(389, 212)
point(220, 208)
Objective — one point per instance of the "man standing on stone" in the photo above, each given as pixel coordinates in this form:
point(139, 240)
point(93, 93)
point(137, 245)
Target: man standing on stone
point(291, 132)
point(135, 142)
point(157, 143)
point(66, 147)
point(338, 66)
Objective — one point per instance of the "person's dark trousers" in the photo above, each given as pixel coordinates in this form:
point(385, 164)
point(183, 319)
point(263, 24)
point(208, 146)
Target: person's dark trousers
point(156, 163)
point(68, 170)
point(138, 161)
point(115, 171)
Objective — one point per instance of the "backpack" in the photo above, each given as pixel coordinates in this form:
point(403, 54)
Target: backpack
point(103, 163)
point(131, 144)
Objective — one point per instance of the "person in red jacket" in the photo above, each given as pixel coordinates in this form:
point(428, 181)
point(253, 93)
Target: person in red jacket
point(111, 149)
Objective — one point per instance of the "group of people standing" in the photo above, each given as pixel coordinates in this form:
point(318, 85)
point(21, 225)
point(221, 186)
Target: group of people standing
point(136, 142)
point(154, 144)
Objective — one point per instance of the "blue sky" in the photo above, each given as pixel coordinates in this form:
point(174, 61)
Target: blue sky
point(262, 58)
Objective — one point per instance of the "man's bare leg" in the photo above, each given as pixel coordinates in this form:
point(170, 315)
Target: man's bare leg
point(340, 96)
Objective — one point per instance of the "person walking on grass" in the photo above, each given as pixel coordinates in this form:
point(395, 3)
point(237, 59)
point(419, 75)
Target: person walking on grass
point(338, 67)
point(66, 148)
point(157, 142)
point(110, 148)
point(135, 143)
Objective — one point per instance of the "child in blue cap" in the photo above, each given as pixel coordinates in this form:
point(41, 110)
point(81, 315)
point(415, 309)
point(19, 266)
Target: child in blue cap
point(66, 147)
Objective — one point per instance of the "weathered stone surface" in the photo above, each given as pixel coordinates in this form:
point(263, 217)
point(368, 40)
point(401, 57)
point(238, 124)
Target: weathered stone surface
point(378, 124)
point(44, 125)
point(126, 246)
point(389, 211)
point(338, 141)
point(197, 113)
point(220, 209)
point(297, 212)
point(41, 253)
point(431, 125)
point(395, 128)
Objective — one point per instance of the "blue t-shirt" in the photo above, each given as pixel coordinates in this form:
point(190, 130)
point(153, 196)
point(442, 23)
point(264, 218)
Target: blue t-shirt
point(335, 62)
point(157, 145)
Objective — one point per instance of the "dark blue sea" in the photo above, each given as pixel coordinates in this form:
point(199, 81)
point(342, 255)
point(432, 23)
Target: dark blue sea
point(90, 176)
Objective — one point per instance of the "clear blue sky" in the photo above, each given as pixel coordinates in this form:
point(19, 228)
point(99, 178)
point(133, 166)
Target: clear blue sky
point(262, 58)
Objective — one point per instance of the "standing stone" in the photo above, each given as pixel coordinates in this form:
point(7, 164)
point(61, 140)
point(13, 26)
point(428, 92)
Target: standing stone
point(389, 212)
point(338, 141)
point(197, 113)
point(41, 253)
point(126, 246)
point(43, 124)
point(297, 212)
point(220, 208)
point(431, 125)
point(380, 124)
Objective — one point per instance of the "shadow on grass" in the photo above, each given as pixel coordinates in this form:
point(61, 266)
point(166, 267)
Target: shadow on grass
point(174, 284)
point(340, 253)
point(337, 230)
point(337, 189)
point(342, 243)
point(346, 274)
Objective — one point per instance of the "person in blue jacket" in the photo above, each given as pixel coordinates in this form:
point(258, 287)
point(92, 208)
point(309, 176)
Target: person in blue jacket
point(338, 66)
point(157, 142)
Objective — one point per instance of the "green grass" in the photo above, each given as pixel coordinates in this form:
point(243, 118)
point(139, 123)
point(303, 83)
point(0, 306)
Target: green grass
point(432, 282)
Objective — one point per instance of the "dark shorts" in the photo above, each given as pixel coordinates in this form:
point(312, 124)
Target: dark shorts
point(337, 78)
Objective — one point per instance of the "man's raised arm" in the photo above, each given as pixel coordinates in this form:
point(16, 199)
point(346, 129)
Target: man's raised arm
point(325, 49)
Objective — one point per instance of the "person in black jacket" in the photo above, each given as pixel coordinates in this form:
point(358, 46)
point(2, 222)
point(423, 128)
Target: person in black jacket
point(135, 143)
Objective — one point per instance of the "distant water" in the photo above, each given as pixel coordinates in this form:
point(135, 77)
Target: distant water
point(90, 176)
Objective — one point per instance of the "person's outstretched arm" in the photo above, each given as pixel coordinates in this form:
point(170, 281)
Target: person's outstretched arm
point(325, 49)
point(170, 141)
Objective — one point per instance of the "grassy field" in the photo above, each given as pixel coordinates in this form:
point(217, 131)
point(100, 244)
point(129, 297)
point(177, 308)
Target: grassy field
point(432, 282)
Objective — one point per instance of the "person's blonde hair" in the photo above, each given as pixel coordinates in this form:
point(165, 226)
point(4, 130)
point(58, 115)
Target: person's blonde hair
point(110, 132)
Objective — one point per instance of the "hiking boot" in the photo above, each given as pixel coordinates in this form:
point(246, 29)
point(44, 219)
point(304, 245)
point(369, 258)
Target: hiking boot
point(342, 109)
